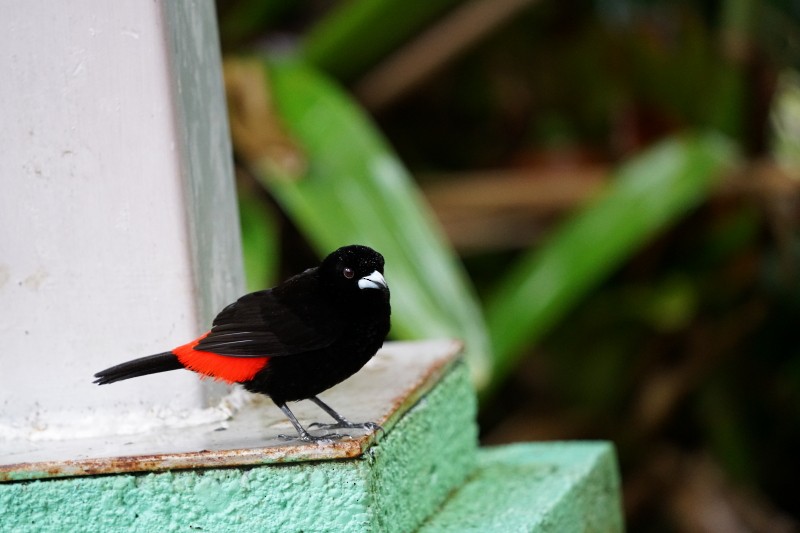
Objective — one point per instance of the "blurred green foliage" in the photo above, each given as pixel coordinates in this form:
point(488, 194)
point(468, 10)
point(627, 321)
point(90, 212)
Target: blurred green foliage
point(336, 43)
point(660, 314)
point(259, 240)
point(649, 193)
point(354, 190)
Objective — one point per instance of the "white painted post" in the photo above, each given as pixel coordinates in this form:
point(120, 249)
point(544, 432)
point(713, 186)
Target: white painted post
point(119, 232)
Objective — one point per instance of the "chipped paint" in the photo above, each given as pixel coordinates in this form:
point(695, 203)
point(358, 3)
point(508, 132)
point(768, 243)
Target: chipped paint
point(382, 392)
point(428, 453)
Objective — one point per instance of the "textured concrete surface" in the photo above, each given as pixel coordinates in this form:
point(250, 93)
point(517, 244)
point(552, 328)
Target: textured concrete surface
point(394, 486)
point(543, 487)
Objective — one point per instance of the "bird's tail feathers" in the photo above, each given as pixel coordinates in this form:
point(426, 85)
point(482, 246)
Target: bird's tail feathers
point(152, 364)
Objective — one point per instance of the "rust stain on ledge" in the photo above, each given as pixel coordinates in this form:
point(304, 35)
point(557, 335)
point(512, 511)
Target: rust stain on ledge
point(403, 372)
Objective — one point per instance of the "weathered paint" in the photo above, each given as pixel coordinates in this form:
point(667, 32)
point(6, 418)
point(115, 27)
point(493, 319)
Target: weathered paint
point(382, 392)
point(204, 143)
point(393, 486)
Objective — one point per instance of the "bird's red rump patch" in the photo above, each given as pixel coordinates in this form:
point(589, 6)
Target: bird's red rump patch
point(223, 367)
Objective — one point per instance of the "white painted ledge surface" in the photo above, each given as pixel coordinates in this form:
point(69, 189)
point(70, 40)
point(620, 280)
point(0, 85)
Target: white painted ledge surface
point(388, 385)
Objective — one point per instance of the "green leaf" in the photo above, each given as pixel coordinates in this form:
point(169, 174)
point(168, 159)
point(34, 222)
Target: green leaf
point(649, 192)
point(259, 242)
point(355, 190)
point(337, 43)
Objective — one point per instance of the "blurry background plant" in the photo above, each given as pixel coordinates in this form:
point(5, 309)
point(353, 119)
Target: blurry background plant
point(599, 197)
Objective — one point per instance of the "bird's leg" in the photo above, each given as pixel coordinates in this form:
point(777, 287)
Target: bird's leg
point(301, 431)
point(341, 422)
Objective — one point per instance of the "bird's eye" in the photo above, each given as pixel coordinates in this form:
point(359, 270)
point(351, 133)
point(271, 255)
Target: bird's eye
point(348, 273)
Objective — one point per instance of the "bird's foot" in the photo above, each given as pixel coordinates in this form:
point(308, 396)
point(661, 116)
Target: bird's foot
point(344, 424)
point(307, 437)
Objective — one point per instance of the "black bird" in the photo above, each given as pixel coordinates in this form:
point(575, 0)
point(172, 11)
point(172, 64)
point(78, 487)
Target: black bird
point(293, 341)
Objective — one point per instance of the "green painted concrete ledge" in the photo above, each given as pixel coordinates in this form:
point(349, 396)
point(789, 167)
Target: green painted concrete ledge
point(538, 487)
point(425, 474)
point(393, 486)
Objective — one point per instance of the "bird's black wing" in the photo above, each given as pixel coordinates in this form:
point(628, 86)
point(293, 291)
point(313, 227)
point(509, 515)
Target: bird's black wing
point(274, 323)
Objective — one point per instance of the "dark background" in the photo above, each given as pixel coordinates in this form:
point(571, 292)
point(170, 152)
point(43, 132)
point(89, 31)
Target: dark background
point(688, 355)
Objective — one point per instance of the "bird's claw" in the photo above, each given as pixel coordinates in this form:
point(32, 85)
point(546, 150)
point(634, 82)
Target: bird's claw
point(344, 424)
point(313, 438)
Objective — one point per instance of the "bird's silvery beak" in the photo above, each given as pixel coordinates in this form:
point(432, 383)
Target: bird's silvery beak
point(373, 281)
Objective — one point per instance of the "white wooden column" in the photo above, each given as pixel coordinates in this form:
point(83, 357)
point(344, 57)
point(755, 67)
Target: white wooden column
point(119, 233)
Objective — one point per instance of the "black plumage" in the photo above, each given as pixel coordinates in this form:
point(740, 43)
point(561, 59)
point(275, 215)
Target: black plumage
point(293, 341)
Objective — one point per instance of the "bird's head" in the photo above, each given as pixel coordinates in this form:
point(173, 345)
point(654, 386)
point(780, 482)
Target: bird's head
point(355, 270)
